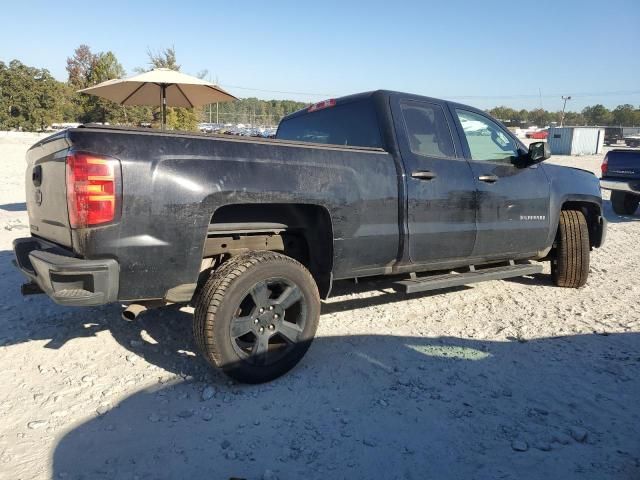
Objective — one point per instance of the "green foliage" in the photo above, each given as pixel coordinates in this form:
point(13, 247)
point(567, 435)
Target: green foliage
point(574, 118)
point(80, 65)
point(29, 97)
point(163, 59)
point(106, 67)
point(597, 115)
point(184, 119)
point(625, 115)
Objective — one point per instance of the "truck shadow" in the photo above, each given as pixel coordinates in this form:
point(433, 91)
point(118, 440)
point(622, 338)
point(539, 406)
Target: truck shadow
point(14, 207)
point(613, 217)
point(166, 328)
point(367, 406)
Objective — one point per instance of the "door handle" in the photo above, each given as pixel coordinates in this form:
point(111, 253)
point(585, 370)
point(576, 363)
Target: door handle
point(36, 175)
point(424, 175)
point(488, 178)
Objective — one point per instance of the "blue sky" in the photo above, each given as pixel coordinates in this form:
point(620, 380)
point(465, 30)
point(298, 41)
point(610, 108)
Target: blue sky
point(481, 53)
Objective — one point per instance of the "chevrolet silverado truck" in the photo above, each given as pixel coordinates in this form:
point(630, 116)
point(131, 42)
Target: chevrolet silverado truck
point(621, 175)
point(253, 232)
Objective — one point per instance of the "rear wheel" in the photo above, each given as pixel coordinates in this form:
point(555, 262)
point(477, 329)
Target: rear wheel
point(624, 203)
point(570, 265)
point(256, 316)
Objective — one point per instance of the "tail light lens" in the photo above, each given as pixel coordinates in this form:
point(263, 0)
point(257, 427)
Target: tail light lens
point(605, 165)
point(93, 189)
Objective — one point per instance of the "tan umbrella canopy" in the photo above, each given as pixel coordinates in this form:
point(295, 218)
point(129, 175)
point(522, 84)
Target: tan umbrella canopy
point(161, 86)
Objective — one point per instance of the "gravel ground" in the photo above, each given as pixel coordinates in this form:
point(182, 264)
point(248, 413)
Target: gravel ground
point(502, 380)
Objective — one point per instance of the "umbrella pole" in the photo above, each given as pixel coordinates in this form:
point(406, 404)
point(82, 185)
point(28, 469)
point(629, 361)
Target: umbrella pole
point(164, 107)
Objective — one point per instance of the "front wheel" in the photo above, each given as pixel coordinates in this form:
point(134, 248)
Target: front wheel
point(256, 316)
point(570, 264)
point(624, 203)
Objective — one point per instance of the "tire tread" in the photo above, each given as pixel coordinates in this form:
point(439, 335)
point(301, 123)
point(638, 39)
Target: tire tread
point(573, 250)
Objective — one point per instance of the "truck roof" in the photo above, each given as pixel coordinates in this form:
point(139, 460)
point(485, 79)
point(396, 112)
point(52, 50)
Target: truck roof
point(376, 94)
point(362, 96)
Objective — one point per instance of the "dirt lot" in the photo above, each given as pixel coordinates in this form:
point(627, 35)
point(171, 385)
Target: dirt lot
point(502, 380)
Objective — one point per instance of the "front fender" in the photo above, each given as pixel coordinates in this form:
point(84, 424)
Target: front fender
point(574, 188)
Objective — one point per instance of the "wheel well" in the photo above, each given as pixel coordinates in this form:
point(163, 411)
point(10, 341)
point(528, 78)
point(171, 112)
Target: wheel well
point(593, 214)
point(301, 231)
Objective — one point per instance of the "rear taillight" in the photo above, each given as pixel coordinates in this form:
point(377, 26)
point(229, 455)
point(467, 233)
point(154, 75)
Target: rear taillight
point(93, 189)
point(605, 165)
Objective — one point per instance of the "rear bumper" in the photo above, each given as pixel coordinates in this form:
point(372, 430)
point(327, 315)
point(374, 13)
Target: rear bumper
point(67, 280)
point(631, 186)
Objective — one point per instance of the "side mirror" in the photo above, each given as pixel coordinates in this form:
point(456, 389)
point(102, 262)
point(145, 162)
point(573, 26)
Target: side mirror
point(538, 152)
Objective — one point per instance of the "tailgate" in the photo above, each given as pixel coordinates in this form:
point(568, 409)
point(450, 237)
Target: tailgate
point(46, 193)
point(623, 164)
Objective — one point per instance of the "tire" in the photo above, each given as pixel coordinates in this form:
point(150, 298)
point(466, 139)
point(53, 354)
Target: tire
point(570, 266)
point(624, 203)
point(233, 333)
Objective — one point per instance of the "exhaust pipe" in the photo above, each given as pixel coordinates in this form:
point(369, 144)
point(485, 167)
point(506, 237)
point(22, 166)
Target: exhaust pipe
point(30, 288)
point(132, 311)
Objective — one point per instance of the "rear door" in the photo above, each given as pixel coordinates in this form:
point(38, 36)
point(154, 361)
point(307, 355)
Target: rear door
point(45, 190)
point(440, 187)
point(513, 202)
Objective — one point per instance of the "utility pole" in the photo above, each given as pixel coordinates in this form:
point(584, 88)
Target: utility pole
point(217, 113)
point(564, 105)
point(540, 92)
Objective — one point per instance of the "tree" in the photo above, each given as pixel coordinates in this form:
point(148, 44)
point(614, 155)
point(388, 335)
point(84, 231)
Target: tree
point(574, 119)
point(28, 97)
point(538, 117)
point(85, 69)
point(80, 66)
point(105, 67)
point(624, 115)
point(505, 114)
point(163, 59)
point(597, 115)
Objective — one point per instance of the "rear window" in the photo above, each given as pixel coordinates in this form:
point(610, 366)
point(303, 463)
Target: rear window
point(354, 124)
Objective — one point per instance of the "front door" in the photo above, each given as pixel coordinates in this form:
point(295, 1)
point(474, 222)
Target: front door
point(440, 186)
point(513, 202)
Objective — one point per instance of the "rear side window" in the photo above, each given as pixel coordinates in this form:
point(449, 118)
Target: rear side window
point(354, 124)
point(427, 130)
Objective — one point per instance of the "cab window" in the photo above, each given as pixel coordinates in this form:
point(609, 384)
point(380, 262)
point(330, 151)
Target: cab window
point(486, 139)
point(427, 130)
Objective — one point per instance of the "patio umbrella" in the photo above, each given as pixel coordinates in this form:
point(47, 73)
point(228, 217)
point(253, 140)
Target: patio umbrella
point(161, 86)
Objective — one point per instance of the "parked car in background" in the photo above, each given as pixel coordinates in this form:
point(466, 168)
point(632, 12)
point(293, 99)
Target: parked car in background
point(539, 135)
point(632, 141)
point(626, 135)
point(621, 175)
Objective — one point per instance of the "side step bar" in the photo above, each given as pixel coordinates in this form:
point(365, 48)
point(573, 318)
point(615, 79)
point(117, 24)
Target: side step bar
point(435, 282)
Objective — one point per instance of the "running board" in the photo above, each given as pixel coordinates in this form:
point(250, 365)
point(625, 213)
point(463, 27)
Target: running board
point(435, 282)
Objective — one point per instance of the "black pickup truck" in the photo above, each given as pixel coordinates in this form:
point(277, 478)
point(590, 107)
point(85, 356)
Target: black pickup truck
point(253, 232)
point(621, 175)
